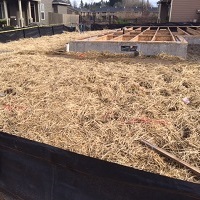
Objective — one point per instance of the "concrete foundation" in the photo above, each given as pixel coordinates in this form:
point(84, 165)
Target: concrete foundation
point(143, 48)
point(142, 40)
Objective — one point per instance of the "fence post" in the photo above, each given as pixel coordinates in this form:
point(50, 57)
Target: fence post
point(52, 30)
point(24, 33)
point(39, 31)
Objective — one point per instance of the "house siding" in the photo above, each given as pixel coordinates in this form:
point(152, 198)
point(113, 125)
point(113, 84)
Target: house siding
point(184, 10)
point(55, 14)
point(47, 8)
point(62, 9)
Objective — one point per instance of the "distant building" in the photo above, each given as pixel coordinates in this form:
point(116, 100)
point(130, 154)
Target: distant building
point(84, 12)
point(85, 15)
point(24, 12)
point(110, 13)
point(179, 11)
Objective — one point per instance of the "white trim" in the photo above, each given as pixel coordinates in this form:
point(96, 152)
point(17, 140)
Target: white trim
point(42, 7)
point(42, 11)
point(171, 6)
point(39, 11)
point(42, 15)
point(21, 19)
point(5, 11)
point(30, 19)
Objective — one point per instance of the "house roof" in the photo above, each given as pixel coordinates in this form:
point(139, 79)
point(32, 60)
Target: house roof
point(164, 1)
point(82, 10)
point(62, 2)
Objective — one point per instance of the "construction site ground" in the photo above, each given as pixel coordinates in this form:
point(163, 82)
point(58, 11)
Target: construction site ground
point(101, 104)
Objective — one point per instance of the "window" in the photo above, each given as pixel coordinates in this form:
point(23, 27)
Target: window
point(2, 16)
point(42, 16)
point(42, 11)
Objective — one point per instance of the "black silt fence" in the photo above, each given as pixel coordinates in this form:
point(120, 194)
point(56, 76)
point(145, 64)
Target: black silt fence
point(35, 171)
point(11, 36)
point(69, 29)
point(46, 31)
point(34, 32)
point(117, 26)
point(58, 29)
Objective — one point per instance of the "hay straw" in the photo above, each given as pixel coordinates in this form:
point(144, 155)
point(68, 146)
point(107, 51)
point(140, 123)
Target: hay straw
point(100, 104)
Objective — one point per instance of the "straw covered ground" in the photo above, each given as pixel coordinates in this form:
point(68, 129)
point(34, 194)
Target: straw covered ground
point(100, 105)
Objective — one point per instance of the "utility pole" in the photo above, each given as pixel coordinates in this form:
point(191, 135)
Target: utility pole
point(148, 4)
point(142, 7)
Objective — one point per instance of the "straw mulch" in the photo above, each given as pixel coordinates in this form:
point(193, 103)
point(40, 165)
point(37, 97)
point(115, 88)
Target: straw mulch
point(100, 105)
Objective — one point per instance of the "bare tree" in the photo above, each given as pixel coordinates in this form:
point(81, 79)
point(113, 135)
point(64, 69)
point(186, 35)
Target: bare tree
point(141, 3)
point(129, 3)
point(74, 4)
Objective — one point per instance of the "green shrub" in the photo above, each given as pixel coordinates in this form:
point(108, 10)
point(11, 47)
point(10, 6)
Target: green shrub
point(3, 22)
point(121, 21)
point(7, 28)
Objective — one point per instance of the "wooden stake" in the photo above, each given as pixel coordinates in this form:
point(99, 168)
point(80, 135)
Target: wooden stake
point(169, 155)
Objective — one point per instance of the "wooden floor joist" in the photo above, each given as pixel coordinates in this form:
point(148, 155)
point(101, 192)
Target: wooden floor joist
point(145, 34)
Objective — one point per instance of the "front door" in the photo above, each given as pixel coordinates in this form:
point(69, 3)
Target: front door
point(33, 11)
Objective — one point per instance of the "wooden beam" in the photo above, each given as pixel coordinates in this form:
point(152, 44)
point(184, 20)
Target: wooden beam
point(153, 39)
point(171, 34)
point(172, 157)
point(180, 29)
point(137, 36)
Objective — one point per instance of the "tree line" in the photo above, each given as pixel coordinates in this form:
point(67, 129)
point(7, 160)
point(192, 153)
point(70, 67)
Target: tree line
point(112, 3)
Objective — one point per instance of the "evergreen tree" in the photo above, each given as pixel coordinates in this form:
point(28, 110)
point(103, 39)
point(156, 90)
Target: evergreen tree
point(86, 5)
point(81, 4)
point(113, 2)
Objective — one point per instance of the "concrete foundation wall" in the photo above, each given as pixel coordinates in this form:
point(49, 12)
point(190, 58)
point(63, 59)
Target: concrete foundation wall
point(192, 39)
point(175, 49)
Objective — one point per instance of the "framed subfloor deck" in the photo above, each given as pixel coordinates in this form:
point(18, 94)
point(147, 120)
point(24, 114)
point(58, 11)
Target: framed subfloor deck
point(144, 40)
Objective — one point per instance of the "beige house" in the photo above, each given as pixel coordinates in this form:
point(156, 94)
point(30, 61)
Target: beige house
point(25, 12)
point(59, 12)
point(19, 12)
point(179, 11)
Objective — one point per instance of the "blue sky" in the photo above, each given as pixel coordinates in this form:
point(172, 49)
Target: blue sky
point(78, 1)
